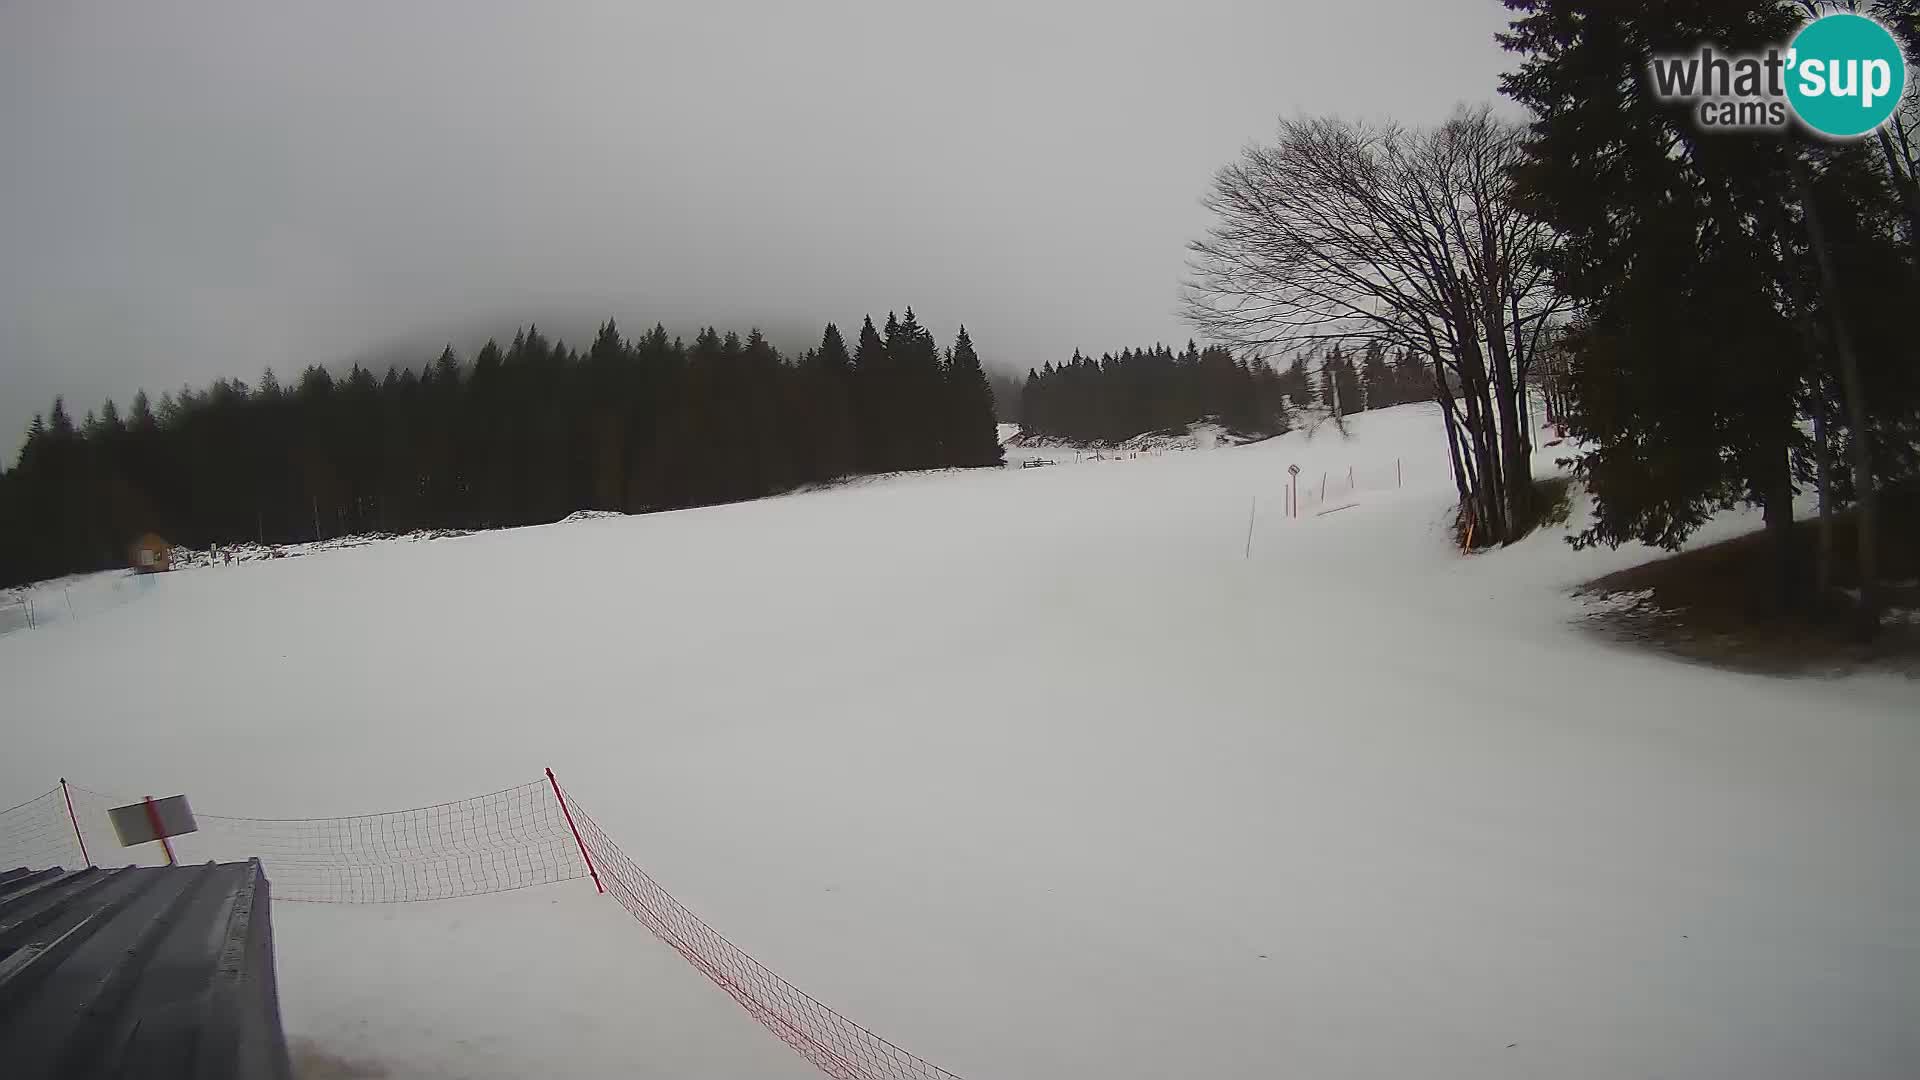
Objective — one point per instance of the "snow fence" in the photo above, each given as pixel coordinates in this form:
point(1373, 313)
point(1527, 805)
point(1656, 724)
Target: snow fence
point(529, 834)
point(67, 599)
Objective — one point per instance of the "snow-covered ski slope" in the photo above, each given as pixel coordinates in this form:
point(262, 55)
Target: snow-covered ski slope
point(1040, 774)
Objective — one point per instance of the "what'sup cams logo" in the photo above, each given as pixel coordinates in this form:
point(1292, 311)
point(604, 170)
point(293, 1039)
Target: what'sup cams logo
point(1842, 75)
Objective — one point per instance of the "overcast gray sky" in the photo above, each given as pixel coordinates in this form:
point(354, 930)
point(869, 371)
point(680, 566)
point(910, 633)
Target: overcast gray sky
point(192, 189)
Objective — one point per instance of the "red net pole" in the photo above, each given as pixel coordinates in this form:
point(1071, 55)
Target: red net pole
point(153, 817)
point(84, 857)
point(576, 833)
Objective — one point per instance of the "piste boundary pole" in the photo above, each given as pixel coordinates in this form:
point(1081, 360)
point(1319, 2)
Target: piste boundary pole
point(595, 874)
point(84, 857)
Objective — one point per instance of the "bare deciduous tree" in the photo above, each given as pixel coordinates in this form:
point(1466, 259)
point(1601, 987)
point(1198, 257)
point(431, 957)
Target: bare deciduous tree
point(1343, 230)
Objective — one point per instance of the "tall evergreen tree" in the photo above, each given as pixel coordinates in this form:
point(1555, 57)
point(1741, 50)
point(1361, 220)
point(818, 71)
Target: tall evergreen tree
point(1708, 324)
point(875, 389)
point(971, 437)
point(1376, 379)
point(827, 381)
point(1297, 383)
point(1340, 385)
point(919, 420)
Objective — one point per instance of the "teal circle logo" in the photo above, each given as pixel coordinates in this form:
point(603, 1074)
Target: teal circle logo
point(1846, 75)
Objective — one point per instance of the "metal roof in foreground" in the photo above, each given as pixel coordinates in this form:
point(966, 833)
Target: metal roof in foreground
point(147, 972)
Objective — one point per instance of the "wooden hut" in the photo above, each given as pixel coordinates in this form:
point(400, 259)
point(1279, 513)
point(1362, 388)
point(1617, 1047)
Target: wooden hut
point(149, 554)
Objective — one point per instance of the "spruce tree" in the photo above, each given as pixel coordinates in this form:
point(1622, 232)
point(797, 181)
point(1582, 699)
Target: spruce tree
point(873, 397)
point(1297, 383)
point(920, 418)
point(972, 439)
point(139, 414)
point(1690, 256)
point(1347, 382)
point(1376, 378)
point(828, 396)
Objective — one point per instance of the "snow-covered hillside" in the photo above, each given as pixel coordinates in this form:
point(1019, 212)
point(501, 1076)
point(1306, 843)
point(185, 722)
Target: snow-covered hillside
point(1043, 773)
point(248, 551)
point(1021, 447)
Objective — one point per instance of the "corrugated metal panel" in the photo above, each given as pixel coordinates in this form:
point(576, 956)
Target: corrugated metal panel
point(142, 972)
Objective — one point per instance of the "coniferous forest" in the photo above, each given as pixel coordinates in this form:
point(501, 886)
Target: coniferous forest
point(519, 434)
point(1116, 397)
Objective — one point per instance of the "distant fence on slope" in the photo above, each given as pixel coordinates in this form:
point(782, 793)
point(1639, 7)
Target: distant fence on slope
point(1320, 488)
point(530, 834)
point(78, 598)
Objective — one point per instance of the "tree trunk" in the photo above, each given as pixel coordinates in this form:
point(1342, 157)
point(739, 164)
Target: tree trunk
point(1462, 477)
point(1823, 483)
point(1851, 388)
point(1472, 445)
point(1491, 501)
point(1516, 470)
point(1486, 454)
point(1776, 490)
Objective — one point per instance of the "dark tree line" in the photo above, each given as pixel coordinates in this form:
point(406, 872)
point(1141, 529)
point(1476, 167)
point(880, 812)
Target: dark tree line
point(1400, 381)
point(521, 434)
point(1744, 300)
point(1116, 397)
point(1373, 382)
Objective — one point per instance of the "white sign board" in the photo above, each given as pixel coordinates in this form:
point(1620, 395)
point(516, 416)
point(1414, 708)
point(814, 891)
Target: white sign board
point(134, 823)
